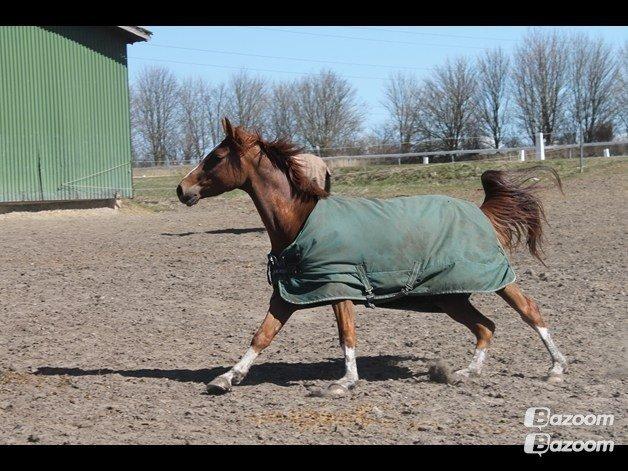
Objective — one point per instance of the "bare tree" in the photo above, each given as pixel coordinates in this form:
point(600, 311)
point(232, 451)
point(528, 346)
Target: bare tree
point(381, 139)
point(540, 82)
point(195, 132)
point(216, 105)
point(402, 97)
point(136, 138)
point(622, 87)
point(493, 111)
point(327, 111)
point(282, 116)
point(248, 100)
point(593, 75)
point(154, 107)
point(449, 104)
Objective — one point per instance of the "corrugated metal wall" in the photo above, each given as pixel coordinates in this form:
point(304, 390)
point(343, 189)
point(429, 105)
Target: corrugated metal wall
point(64, 114)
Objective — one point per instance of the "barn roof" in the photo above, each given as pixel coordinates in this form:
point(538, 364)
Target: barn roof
point(136, 33)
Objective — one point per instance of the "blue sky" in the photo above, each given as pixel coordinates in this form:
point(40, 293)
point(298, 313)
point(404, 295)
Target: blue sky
point(365, 55)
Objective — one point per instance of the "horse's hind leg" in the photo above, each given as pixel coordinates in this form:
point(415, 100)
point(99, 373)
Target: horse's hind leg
point(531, 315)
point(460, 309)
point(345, 317)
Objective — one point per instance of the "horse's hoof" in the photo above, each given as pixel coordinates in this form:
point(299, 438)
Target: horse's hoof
point(218, 386)
point(336, 390)
point(554, 378)
point(464, 375)
point(237, 378)
point(461, 376)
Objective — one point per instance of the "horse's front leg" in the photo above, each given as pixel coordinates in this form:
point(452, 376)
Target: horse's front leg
point(345, 317)
point(278, 314)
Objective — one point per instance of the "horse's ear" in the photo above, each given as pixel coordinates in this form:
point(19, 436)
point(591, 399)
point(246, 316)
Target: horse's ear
point(226, 125)
point(240, 135)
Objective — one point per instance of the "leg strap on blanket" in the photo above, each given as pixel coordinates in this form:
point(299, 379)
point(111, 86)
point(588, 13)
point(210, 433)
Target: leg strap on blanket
point(410, 284)
point(411, 279)
point(368, 288)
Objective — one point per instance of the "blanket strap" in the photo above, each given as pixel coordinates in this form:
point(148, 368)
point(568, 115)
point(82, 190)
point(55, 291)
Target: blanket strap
point(368, 288)
point(411, 279)
point(409, 286)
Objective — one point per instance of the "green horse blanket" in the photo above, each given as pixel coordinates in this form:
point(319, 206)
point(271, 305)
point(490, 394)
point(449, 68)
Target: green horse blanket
point(379, 250)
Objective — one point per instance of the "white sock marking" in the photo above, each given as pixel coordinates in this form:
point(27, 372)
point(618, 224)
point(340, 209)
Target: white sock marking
point(351, 368)
point(241, 368)
point(478, 360)
point(557, 358)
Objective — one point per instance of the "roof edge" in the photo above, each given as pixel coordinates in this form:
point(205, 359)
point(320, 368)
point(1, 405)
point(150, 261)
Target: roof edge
point(140, 34)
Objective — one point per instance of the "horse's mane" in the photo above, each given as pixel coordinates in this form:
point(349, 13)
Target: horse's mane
point(280, 152)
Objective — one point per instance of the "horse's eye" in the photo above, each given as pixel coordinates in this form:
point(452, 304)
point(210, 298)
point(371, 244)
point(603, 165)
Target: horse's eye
point(210, 162)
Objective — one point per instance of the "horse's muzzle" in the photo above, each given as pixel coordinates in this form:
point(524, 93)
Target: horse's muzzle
point(187, 199)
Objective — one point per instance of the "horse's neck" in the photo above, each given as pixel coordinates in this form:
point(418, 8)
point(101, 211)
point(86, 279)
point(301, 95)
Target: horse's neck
point(282, 213)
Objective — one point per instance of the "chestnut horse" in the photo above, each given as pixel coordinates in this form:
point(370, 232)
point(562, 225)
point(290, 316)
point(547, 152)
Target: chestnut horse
point(284, 197)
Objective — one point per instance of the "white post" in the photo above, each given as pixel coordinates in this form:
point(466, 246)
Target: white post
point(426, 160)
point(607, 153)
point(540, 147)
point(581, 150)
point(522, 155)
point(318, 150)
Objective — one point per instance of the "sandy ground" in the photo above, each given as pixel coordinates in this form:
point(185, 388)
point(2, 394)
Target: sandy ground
point(112, 321)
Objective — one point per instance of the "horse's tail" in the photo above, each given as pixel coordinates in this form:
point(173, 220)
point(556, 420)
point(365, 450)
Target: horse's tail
point(513, 207)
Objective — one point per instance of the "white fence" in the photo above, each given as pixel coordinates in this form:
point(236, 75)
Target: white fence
point(591, 149)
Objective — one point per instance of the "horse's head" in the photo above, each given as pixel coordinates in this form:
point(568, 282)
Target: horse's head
point(242, 157)
point(223, 169)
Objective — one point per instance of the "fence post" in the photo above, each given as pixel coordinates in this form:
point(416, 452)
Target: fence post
point(607, 153)
point(581, 150)
point(522, 155)
point(540, 147)
point(318, 150)
point(426, 160)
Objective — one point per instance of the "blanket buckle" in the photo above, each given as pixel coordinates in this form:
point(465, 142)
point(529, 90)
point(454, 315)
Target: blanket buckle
point(368, 288)
point(279, 266)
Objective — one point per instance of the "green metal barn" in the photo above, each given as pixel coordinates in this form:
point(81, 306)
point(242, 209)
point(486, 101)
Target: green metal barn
point(64, 112)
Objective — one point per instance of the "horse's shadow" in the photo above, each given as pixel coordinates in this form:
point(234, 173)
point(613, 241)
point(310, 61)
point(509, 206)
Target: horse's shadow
point(235, 231)
point(370, 368)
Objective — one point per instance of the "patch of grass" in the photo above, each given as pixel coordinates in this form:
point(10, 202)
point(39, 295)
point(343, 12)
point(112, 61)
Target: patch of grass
point(158, 187)
point(412, 179)
point(157, 191)
point(154, 189)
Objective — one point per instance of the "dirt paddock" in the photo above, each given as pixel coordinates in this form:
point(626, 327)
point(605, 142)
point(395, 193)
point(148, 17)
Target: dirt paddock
point(112, 321)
